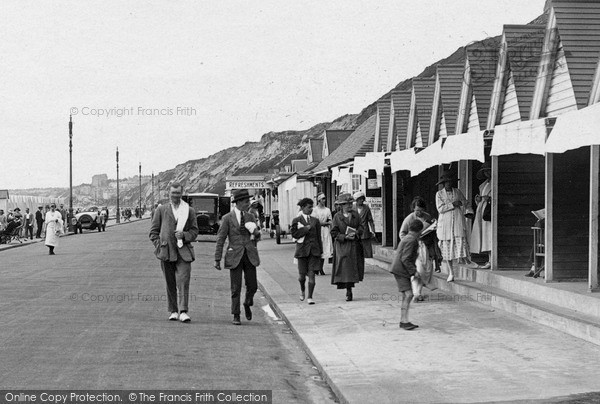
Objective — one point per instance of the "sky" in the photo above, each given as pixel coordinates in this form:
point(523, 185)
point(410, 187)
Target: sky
point(167, 82)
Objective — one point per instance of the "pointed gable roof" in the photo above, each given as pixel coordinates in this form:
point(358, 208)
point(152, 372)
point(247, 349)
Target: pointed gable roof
point(357, 144)
point(382, 127)
point(578, 25)
point(450, 80)
point(482, 61)
point(333, 138)
point(524, 45)
point(423, 95)
point(400, 106)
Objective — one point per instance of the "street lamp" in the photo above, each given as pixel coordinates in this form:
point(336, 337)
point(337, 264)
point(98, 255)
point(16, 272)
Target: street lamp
point(70, 215)
point(118, 210)
point(140, 190)
point(152, 190)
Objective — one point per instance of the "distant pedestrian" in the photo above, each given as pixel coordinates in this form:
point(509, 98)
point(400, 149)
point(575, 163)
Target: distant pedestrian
point(323, 213)
point(481, 234)
point(63, 213)
point(28, 224)
point(404, 268)
point(368, 225)
point(349, 264)
point(54, 228)
point(306, 229)
point(239, 228)
point(3, 220)
point(39, 220)
point(173, 229)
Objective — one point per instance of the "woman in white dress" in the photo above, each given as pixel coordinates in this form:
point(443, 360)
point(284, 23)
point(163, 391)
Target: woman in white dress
point(54, 228)
point(451, 229)
point(481, 235)
point(323, 213)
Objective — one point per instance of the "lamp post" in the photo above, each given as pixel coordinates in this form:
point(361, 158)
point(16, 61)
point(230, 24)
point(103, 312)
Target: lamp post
point(70, 215)
point(118, 209)
point(140, 190)
point(152, 191)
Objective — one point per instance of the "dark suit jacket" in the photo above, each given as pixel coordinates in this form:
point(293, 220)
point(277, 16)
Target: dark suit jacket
point(162, 234)
point(312, 244)
point(404, 261)
point(39, 217)
point(239, 241)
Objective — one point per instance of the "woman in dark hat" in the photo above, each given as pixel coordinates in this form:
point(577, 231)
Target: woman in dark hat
point(481, 234)
point(451, 229)
point(349, 264)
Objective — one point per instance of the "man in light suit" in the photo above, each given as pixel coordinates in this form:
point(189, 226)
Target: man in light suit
point(242, 254)
point(172, 241)
point(307, 231)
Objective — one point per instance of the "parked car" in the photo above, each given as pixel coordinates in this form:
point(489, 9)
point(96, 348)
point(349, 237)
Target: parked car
point(89, 220)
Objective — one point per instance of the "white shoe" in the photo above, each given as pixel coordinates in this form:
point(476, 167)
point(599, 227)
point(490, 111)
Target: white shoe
point(174, 316)
point(310, 301)
point(487, 265)
point(450, 279)
point(184, 318)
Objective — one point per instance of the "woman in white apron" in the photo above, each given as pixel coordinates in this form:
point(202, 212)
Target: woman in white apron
point(54, 228)
point(323, 213)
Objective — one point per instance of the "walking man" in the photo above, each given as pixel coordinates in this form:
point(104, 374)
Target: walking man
point(39, 220)
point(28, 224)
point(240, 228)
point(173, 229)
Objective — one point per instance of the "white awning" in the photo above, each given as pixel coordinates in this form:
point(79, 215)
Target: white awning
point(371, 161)
point(402, 160)
point(575, 129)
point(466, 146)
point(526, 137)
point(429, 157)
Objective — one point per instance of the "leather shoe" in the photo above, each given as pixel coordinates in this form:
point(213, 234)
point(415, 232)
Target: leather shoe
point(407, 326)
point(174, 316)
point(236, 320)
point(248, 312)
point(302, 296)
point(184, 318)
point(349, 296)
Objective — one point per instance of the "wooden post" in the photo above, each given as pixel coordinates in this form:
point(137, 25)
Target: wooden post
point(549, 231)
point(384, 193)
point(495, 175)
point(395, 209)
point(594, 201)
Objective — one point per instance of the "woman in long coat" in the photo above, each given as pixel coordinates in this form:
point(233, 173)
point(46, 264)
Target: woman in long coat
point(54, 228)
point(481, 235)
point(451, 229)
point(349, 264)
point(368, 225)
point(323, 213)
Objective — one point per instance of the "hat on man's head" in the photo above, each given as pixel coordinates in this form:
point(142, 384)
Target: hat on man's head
point(240, 195)
point(17, 209)
point(344, 198)
point(445, 177)
point(359, 194)
point(485, 167)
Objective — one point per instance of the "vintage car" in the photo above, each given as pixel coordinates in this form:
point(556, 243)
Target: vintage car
point(88, 219)
point(209, 208)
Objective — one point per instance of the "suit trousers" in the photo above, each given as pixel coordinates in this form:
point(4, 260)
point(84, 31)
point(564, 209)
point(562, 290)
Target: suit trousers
point(40, 226)
point(249, 271)
point(29, 231)
point(177, 275)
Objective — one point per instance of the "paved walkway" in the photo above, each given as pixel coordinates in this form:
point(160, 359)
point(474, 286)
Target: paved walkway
point(462, 352)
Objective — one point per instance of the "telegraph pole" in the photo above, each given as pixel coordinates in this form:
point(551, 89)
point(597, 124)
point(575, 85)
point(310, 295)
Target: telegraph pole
point(70, 215)
point(140, 190)
point(118, 210)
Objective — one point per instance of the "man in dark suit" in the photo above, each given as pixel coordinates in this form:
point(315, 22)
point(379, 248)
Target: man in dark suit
point(240, 228)
point(404, 267)
point(307, 232)
point(39, 220)
point(173, 229)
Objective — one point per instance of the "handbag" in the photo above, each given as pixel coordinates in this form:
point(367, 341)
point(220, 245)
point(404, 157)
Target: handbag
point(487, 212)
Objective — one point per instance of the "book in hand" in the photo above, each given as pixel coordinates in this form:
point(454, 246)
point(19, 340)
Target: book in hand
point(301, 239)
point(350, 232)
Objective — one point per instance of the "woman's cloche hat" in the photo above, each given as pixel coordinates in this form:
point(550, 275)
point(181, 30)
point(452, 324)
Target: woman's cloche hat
point(359, 194)
point(344, 198)
point(445, 177)
point(485, 167)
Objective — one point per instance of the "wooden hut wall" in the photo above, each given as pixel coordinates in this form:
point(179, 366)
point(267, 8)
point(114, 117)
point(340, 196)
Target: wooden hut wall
point(571, 196)
point(521, 189)
point(422, 185)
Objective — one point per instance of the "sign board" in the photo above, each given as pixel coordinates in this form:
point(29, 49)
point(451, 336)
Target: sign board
point(245, 184)
point(372, 183)
point(376, 205)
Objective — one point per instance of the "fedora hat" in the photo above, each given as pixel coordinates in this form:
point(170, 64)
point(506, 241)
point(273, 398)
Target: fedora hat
point(344, 198)
point(240, 195)
point(485, 167)
point(446, 177)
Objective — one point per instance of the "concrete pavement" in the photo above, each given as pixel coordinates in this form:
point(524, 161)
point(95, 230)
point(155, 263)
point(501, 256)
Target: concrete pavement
point(462, 352)
point(94, 317)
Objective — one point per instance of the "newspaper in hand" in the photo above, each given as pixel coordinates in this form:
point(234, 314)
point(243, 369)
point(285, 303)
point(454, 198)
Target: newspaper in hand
point(350, 232)
point(301, 239)
point(431, 228)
